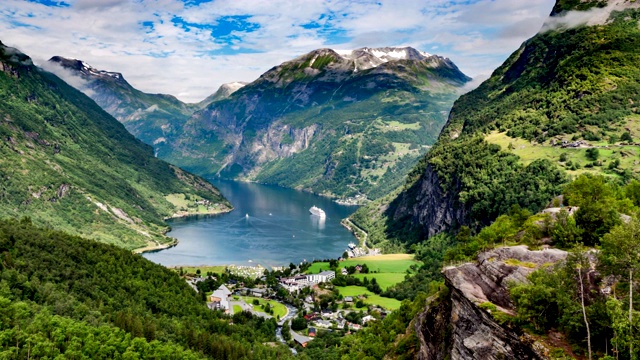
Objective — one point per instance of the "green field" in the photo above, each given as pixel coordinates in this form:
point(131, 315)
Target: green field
point(385, 280)
point(237, 309)
point(279, 310)
point(528, 152)
point(203, 269)
point(372, 298)
point(353, 290)
point(390, 263)
point(387, 303)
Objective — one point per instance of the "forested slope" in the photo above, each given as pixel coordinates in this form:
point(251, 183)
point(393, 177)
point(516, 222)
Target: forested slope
point(563, 104)
point(61, 294)
point(68, 164)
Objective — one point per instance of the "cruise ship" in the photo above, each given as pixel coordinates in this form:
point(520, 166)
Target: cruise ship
point(314, 210)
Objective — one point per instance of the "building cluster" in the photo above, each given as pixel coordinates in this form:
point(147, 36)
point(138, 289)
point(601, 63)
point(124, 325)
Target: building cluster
point(253, 272)
point(298, 282)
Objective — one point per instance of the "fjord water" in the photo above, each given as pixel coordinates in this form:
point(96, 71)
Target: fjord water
point(278, 229)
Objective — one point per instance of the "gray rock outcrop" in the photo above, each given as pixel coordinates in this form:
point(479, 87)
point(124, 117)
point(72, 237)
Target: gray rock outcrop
point(456, 327)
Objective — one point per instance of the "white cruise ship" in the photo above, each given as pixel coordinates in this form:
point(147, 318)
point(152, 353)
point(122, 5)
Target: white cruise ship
point(314, 210)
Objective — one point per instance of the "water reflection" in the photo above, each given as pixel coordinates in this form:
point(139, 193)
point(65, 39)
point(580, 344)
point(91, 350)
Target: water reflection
point(318, 222)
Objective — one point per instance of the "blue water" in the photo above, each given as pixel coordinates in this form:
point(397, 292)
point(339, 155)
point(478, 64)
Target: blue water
point(278, 230)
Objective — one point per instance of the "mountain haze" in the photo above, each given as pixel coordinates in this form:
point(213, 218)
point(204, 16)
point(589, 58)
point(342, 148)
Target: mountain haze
point(69, 165)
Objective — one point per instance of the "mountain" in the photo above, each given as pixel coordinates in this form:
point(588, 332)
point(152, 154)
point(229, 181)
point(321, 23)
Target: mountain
point(69, 165)
point(563, 104)
point(341, 124)
point(152, 118)
point(223, 92)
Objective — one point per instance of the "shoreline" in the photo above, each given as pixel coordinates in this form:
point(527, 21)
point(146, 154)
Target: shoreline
point(174, 242)
point(185, 214)
point(156, 247)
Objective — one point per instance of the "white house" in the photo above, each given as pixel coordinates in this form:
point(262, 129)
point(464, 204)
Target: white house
point(220, 298)
point(324, 276)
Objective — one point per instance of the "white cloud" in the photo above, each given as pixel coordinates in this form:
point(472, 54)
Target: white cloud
point(165, 58)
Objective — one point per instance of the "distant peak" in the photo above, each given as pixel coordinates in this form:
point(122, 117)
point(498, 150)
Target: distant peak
point(366, 57)
point(84, 68)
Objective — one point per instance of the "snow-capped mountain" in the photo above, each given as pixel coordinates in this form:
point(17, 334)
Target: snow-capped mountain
point(367, 58)
point(84, 68)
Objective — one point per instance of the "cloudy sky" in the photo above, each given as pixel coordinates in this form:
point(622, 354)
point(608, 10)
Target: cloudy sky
point(188, 48)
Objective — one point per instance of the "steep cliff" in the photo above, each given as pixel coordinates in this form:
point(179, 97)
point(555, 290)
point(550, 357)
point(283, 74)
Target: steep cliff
point(462, 324)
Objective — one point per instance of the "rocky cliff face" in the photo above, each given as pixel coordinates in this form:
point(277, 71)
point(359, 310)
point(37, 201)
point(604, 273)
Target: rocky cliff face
point(457, 327)
point(436, 212)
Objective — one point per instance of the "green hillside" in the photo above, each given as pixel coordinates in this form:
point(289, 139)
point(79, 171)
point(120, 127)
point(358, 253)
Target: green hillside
point(503, 143)
point(62, 295)
point(69, 165)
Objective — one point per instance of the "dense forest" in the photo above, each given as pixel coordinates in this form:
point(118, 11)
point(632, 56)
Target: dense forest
point(62, 294)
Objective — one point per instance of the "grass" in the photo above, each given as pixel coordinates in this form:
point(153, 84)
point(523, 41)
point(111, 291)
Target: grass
point(389, 263)
point(528, 152)
point(279, 310)
point(385, 280)
point(372, 299)
point(353, 290)
point(203, 269)
point(516, 262)
point(237, 309)
point(398, 126)
point(387, 303)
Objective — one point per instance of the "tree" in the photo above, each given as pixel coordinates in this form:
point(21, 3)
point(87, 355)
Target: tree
point(286, 331)
point(565, 232)
point(597, 206)
point(620, 255)
point(298, 324)
point(593, 154)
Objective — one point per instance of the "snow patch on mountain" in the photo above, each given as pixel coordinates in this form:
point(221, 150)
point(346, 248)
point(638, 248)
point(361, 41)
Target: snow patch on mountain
point(367, 58)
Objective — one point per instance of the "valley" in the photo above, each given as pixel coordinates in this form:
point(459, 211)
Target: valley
point(499, 222)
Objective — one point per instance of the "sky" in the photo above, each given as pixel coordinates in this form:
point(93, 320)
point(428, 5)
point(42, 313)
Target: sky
point(188, 48)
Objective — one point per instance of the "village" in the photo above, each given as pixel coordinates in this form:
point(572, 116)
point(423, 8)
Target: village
point(336, 295)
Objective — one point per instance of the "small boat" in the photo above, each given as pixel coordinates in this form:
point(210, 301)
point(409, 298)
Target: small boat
point(246, 215)
point(314, 210)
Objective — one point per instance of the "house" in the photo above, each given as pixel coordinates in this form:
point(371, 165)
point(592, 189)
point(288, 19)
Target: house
point(367, 318)
point(348, 299)
point(308, 299)
point(328, 313)
point(324, 276)
point(323, 323)
point(294, 283)
point(257, 292)
point(358, 268)
point(344, 271)
point(312, 332)
point(220, 299)
point(355, 326)
point(300, 342)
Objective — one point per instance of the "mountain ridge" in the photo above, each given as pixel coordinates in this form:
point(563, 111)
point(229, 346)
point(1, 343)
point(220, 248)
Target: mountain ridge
point(294, 113)
point(69, 165)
